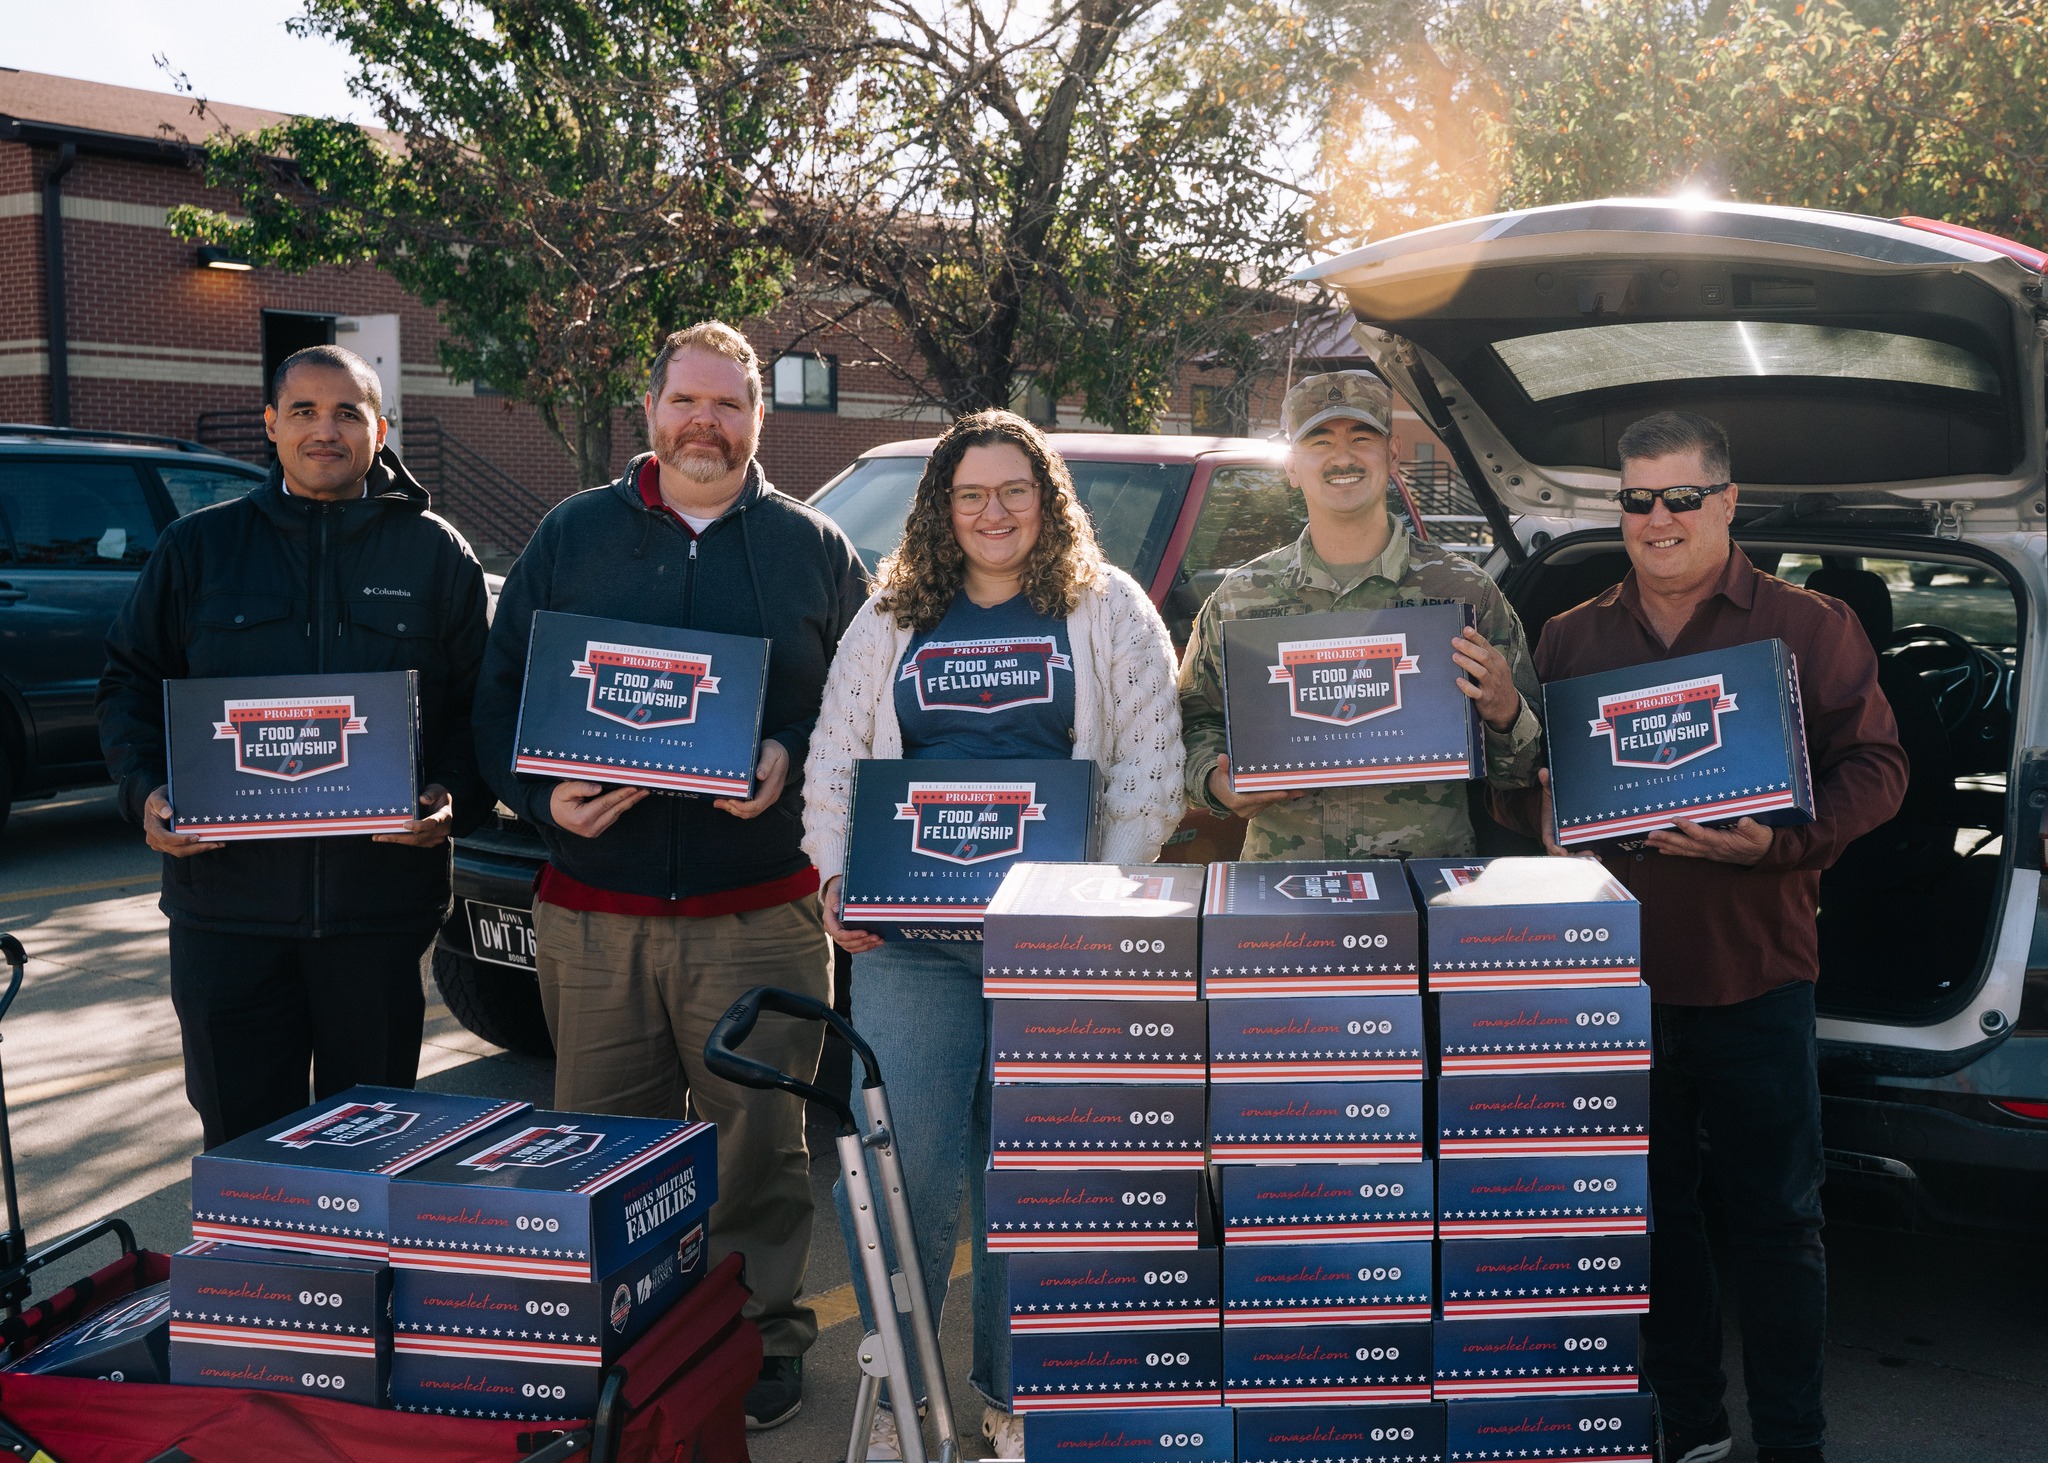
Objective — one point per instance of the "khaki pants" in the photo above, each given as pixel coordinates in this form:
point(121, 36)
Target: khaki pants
point(630, 1001)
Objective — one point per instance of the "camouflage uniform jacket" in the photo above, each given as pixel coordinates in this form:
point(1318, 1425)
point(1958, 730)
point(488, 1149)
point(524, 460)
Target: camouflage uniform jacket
point(1424, 819)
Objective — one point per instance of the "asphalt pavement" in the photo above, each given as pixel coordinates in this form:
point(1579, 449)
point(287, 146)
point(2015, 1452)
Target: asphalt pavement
point(1936, 1348)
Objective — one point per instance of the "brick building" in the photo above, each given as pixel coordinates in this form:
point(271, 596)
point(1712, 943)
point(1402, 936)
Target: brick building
point(164, 337)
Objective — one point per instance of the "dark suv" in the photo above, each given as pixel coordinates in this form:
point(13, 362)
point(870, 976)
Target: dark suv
point(79, 513)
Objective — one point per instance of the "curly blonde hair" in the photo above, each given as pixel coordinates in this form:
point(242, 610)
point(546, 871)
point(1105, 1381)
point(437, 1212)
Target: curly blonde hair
point(918, 582)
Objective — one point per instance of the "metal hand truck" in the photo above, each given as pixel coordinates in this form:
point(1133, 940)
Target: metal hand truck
point(882, 1354)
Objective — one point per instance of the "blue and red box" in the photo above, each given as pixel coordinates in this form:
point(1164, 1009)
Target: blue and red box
point(319, 1180)
point(1063, 1372)
point(1336, 928)
point(1548, 1356)
point(1487, 1033)
point(1317, 1039)
point(1516, 924)
point(929, 842)
point(1345, 1284)
point(1098, 1126)
point(294, 756)
point(587, 1215)
point(1508, 1279)
point(1115, 1290)
point(1294, 1366)
point(1133, 1435)
point(1555, 1114)
point(127, 1341)
point(1316, 1122)
point(1109, 931)
point(247, 1317)
point(1552, 1429)
point(555, 1196)
point(1098, 1041)
point(1413, 1433)
point(1525, 1198)
point(1102, 1209)
point(1348, 698)
point(1313, 1203)
point(615, 701)
point(1709, 737)
point(550, 1336)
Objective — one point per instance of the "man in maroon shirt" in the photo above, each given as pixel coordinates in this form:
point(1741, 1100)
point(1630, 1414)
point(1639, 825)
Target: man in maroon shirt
point(1730, 949)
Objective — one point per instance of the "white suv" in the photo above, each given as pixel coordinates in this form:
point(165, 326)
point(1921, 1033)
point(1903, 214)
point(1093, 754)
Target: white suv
point(1882, 384)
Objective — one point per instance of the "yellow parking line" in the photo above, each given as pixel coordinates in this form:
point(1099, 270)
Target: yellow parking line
point(838, 1304)
point(56, 891)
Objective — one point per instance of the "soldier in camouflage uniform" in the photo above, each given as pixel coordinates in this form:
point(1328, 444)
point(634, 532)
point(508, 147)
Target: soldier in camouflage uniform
point(1350, 558)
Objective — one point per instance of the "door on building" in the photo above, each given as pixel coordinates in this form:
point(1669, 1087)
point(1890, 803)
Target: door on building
point(286, 331)
point(375, 339)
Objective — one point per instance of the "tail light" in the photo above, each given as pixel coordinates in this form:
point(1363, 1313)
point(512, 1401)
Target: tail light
point(2019, 1107)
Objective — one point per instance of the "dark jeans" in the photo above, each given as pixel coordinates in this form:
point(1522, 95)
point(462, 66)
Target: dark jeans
point(1735, 1096)
point(258, 1015)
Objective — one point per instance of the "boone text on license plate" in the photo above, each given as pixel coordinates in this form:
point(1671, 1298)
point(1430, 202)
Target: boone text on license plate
point(502, 936)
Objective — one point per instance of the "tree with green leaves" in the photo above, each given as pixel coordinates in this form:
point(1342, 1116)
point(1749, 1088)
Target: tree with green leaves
point(1441, 109)
point(563, 180)
point(1078, 195)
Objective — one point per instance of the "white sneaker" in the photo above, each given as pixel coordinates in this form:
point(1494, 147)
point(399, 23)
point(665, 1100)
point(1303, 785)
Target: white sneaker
point(1004, 1430)
point(883, 1444)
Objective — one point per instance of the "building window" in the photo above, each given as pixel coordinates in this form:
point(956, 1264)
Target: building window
point(1210, 410)
point(806, 383)
point(1031, 401)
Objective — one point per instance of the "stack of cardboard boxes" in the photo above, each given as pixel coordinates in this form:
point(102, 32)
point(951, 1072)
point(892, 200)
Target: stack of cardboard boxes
point(1317, 1125)
point(437, 1253)
point(1542, 1132)
point(1432, 1209)
point(1096, 1187)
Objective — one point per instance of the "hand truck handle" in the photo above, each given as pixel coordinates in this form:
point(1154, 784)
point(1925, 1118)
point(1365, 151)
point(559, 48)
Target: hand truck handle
point(16, 957)
point(722, 1055)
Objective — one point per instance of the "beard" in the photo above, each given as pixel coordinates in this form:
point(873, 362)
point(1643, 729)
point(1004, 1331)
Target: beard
point(726, 456)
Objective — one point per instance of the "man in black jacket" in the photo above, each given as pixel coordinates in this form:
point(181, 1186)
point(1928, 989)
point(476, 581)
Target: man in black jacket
point(303, 952)
point(655, 912)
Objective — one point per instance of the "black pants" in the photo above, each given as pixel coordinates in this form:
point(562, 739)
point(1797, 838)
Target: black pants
point(1742, 1078)
point(258, 1014)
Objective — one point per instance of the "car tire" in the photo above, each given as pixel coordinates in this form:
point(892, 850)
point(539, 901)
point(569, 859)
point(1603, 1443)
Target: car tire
point(6, 790)
point(496, 1002)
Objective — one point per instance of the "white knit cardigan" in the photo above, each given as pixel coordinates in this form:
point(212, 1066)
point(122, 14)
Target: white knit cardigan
point(1126, 719)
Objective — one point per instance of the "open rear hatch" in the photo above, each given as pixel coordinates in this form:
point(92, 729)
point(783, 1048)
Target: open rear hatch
point(1880, 365)
point(1882, 386)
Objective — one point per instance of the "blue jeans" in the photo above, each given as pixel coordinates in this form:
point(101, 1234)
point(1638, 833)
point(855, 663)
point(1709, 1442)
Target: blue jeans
point(920, 1007)
point(1745, 1078)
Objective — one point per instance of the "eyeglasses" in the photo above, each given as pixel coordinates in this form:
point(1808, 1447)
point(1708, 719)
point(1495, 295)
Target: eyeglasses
point(1017, 498)
point(1678, 500)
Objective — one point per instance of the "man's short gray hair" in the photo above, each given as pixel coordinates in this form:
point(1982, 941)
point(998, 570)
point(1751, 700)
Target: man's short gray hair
point(331, 358)
point(1669, 432)
point(719, 339)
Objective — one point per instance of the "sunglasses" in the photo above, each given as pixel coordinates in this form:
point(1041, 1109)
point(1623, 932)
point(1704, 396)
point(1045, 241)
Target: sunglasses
point(1678, 500)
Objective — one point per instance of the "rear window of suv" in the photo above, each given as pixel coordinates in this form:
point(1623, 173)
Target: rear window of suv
point(1134, 505)
point(61, 513)
point(1602, 357)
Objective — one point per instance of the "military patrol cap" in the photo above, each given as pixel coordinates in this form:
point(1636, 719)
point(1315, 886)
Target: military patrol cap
point(1314, 400)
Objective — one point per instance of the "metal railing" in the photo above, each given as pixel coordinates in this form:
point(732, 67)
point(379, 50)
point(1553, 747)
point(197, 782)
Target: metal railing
point(236, 434)
point(493, 508)
point(475, 494)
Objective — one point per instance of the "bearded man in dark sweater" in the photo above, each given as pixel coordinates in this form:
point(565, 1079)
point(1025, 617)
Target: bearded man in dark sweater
point(655, 913)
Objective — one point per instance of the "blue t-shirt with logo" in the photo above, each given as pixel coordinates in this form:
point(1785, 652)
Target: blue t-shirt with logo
point(988, 683)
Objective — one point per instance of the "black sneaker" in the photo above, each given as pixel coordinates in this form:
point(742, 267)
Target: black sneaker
point(1789, 1455)
point(778, 1395)
point(1706, 1443)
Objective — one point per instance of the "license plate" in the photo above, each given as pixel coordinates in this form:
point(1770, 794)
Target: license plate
point(502, 936)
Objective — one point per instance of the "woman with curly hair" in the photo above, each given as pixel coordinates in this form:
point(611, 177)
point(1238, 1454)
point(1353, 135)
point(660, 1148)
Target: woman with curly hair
point(997, 547)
